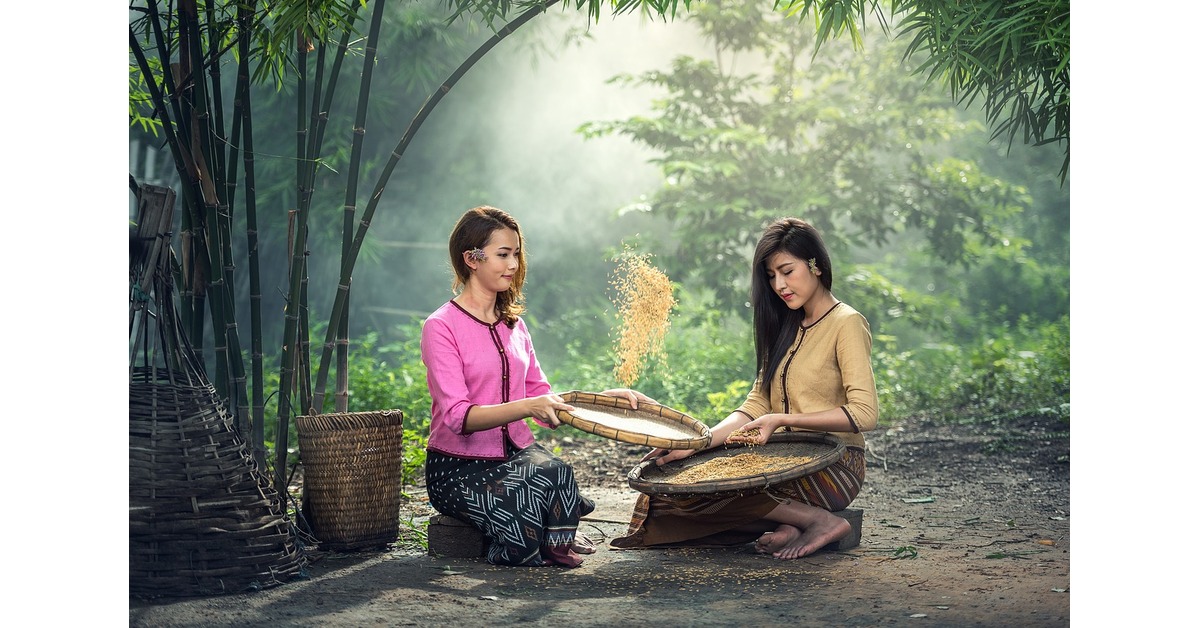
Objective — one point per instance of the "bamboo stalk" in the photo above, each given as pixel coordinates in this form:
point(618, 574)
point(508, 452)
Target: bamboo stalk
point(256, 414)
point(306, 175)
point(177, 136)
point(358, 133)
point(216, 138)
point(291, 360)
point(230, 197)
point(310, 150)
point(225, 329)
point(206, 164)
point(343, 289)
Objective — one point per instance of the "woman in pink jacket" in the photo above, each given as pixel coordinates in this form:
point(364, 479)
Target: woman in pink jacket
point(482, 464)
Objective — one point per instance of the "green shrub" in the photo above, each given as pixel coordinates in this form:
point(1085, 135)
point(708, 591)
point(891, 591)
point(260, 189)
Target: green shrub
point(1021, 371)
point(393, 377)
point(1008, 373)
point(389, 377)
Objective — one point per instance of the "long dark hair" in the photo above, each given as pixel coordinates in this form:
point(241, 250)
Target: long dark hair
point(775, 325)
point(473, 231)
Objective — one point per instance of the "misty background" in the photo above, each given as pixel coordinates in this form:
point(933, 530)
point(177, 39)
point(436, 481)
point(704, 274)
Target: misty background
point(505, 136)
point(938, 252)
point(512, 121)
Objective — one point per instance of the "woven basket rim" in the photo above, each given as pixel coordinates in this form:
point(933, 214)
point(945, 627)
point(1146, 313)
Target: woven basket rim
point(633, 428)
point(351, 415)
point(646, 476)
point(340, 421)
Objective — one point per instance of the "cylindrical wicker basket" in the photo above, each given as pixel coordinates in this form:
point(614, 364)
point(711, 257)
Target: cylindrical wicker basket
point(352, 468)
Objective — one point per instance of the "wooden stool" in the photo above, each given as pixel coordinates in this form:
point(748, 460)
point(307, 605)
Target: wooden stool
point(455, 538)
point(850, 541)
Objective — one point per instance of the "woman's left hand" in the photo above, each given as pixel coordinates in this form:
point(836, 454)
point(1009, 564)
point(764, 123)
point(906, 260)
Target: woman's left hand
point(632, 395)
point(757, 431)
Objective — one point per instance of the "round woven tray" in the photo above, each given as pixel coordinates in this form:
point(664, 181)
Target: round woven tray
point(789, 455)
point(652, 424)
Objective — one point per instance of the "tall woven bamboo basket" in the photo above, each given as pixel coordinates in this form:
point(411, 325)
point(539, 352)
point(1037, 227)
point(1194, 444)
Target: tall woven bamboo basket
point(352, 477)
point(203, 518)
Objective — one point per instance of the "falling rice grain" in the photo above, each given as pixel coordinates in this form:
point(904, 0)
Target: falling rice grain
point(644, 301)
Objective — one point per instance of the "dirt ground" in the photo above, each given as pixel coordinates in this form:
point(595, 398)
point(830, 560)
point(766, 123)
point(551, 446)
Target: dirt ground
point(962, 526)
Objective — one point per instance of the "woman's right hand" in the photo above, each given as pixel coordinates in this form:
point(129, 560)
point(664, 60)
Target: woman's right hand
point(545, 408)
point(663, 456)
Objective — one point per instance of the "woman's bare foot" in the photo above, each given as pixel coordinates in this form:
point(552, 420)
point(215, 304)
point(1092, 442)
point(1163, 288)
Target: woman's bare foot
point(788, 541)
point(779, 538)
point(583, 545)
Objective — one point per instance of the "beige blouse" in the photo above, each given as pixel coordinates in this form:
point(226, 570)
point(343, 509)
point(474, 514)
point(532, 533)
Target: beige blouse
point(828, 366)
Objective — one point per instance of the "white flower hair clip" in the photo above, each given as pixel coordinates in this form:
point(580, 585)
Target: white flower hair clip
point(476, 255)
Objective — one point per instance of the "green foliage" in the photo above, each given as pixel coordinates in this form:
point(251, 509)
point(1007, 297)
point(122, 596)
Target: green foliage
point(854, 143)
point(393, 376)
point(885, 303)
point(832, 18)
point(275, 32)
point(494, 13)
point(413, 535)
point(384, 377)
point(1009, 372)
point(140, 103)
point(709, 366)
point(1015, 56)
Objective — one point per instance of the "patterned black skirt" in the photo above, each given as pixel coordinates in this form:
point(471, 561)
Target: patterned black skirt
point(528, 506)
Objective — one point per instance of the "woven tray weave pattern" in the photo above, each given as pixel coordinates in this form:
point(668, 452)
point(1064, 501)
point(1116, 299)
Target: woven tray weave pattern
point(202, 519)
point(791, 454)
point(652, 424)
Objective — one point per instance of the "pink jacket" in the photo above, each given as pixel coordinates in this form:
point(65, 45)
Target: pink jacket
point(468, 363)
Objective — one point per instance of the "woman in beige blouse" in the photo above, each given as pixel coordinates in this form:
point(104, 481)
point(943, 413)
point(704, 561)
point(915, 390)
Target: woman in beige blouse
point(814, 357)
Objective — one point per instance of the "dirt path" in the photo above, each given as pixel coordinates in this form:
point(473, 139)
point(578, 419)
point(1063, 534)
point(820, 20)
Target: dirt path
point(962, 527)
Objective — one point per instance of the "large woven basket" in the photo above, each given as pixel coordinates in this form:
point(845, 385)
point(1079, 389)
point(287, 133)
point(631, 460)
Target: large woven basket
point(202, 519)
point(352, 471)
point(651, 424)
point(789, 455)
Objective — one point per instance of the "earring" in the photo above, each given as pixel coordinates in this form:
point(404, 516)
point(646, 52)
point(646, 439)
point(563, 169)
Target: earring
point(812, 266)
point(476, 255)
